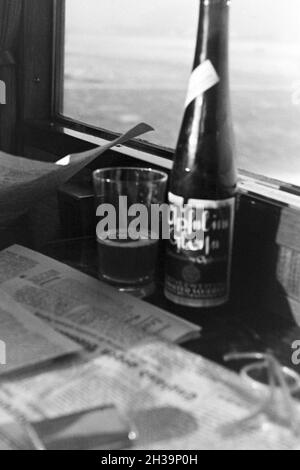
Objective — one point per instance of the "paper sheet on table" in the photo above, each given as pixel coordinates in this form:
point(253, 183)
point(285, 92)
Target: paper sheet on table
point(27, 340)
point(176, 400)
point(91, 312)
point(24, 182)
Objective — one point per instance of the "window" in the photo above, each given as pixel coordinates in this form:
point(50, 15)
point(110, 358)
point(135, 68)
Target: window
point(125, 65)
point(129, 63)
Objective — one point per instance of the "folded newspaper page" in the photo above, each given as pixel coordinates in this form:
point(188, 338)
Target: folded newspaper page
point(85, 309)
point(175, 399)
point(23, 182)
point(26, 341)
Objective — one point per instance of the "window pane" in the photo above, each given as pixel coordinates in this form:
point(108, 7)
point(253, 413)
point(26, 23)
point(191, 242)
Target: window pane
point(127, 64)
point(129, 60)
point(265, 58)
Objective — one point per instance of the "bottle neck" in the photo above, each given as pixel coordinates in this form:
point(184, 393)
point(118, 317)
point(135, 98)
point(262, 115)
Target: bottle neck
point(204, 157)
point(212, 38)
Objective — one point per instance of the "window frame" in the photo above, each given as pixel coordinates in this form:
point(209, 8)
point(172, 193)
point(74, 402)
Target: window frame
point(42, 87)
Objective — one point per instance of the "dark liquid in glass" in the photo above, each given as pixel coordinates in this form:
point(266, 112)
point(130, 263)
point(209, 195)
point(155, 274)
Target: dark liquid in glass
point(127, 262)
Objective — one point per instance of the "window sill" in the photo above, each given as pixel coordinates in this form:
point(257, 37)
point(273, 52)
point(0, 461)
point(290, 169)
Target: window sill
point(73, 136)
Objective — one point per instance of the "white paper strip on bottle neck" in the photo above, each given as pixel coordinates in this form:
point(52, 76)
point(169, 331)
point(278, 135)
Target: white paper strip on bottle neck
point(202, 79)
point(2, 92)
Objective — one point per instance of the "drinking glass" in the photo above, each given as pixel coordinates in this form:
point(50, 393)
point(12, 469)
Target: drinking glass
point(127, 202)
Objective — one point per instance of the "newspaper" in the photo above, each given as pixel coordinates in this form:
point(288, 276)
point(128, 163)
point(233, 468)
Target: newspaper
point(25, 340)
point(175, 399)
point(88, 311)
point(23, 182)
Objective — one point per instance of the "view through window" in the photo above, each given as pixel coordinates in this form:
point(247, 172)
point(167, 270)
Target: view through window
point(129, 60)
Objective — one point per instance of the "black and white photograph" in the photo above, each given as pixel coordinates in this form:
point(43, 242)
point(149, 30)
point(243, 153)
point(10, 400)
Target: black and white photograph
point(149, 228)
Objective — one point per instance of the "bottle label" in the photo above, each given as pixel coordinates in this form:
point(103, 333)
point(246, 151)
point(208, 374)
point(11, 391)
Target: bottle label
point(202, 79)
point(199, 251)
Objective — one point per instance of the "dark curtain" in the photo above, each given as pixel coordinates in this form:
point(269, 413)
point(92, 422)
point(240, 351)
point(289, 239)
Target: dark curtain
point(10, 16)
